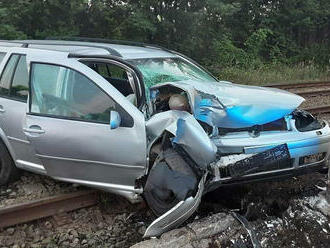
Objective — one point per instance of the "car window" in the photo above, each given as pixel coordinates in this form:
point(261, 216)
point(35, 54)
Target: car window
point(117, 72)
point(20, 85)
point(107, 70)
point(62, 92)
point(2, 55)
point(103, 70)
point(7, 75)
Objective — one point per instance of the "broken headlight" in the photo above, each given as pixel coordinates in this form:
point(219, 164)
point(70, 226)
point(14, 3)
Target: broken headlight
point(305, 121)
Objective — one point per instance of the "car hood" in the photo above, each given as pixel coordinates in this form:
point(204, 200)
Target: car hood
point(228, 105)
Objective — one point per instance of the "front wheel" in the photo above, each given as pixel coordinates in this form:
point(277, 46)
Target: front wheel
point(170, 181)
point(8, 170)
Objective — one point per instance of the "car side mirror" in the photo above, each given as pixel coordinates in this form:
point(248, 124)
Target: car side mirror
point(114, 119)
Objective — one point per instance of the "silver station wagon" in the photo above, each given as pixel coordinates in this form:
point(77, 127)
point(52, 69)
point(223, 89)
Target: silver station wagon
point(142, 121)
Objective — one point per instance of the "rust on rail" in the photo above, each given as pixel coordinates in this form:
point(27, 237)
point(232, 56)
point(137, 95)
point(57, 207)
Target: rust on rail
point(319, 110)
point(314, 93)
point(46, 207)
point(299, 85)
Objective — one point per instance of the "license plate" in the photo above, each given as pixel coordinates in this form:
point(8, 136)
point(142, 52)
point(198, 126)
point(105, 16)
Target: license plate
point(272, 159)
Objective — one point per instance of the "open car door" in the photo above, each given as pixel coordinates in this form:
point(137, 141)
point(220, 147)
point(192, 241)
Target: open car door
point(68, 124)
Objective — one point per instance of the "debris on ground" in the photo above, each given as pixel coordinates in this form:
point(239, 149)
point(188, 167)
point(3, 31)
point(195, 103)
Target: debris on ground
point(273, 214)
point(33, 187)
point(112, 223)
point(214, 231)
point(289, 213)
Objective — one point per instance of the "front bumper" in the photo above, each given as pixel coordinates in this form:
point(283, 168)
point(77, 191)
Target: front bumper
point(301, 145)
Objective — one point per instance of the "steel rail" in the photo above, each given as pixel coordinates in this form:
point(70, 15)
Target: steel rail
point(325, 109)
point(299, 85)
point(313, 93)
point(319, 110)
point(49, 206)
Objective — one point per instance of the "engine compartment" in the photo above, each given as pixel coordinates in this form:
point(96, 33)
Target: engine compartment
point(170, 98)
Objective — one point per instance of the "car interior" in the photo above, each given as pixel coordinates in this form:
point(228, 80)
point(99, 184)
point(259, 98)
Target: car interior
point(117, 77)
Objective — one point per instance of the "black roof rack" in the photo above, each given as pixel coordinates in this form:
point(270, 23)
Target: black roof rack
point(109, 41)
point(27, 43)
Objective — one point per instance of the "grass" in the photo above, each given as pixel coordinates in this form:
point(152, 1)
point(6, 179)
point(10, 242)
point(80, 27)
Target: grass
point(268, 74)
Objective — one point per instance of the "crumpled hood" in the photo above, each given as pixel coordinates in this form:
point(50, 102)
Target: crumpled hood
point(228, 105)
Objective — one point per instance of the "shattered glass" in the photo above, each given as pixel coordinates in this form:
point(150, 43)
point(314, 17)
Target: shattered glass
point(160, 70)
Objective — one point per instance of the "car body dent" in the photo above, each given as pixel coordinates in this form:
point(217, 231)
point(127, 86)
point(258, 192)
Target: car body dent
point(228, 105)
point(187, 133)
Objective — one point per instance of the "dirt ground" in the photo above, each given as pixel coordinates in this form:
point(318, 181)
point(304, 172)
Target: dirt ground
point(32, 187)
point(281, 214)
point(114, 222)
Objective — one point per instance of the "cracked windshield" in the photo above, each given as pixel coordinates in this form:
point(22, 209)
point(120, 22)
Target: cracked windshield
point(161, 70)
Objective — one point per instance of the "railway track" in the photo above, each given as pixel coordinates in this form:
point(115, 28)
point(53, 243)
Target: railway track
point(50, 206)
point(300, 85)
point(57, 205)
point(319, 110)
point(314, 93)
point(325, 109)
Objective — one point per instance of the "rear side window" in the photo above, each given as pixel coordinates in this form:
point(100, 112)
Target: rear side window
point(14, 82)
point(20, 85)
point(2, 55)
point(65, 93)
point(7, 75)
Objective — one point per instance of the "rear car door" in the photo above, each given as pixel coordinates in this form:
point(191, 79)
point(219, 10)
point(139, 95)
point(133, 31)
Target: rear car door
point(67, 123)
point(13, 102)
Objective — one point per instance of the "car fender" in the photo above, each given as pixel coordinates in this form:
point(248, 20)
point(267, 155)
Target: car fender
point(187, 132)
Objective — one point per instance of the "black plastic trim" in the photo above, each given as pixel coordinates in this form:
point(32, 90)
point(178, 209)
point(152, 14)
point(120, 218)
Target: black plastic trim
point(27, 44)
point(272, 176)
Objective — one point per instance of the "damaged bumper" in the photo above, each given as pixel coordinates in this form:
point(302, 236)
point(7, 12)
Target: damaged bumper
point(308, 151)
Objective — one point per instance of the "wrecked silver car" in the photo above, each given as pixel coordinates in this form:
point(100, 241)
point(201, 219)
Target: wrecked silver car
point(145, 122)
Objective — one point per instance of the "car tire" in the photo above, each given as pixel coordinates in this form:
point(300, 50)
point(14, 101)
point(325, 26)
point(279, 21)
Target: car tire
point(8, 171)
point(161, 203)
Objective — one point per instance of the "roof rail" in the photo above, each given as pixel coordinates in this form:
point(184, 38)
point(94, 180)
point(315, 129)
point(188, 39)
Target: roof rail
point(109, 41)
point(27, 43)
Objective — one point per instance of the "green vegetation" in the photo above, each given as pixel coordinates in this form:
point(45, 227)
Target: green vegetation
point(240, 40)
point(273, 73)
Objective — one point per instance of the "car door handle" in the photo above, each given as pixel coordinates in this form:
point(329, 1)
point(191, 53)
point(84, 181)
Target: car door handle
point(2, 110)
point(34, 129)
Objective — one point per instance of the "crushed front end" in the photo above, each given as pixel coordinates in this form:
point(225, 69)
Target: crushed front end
point(224, 134)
